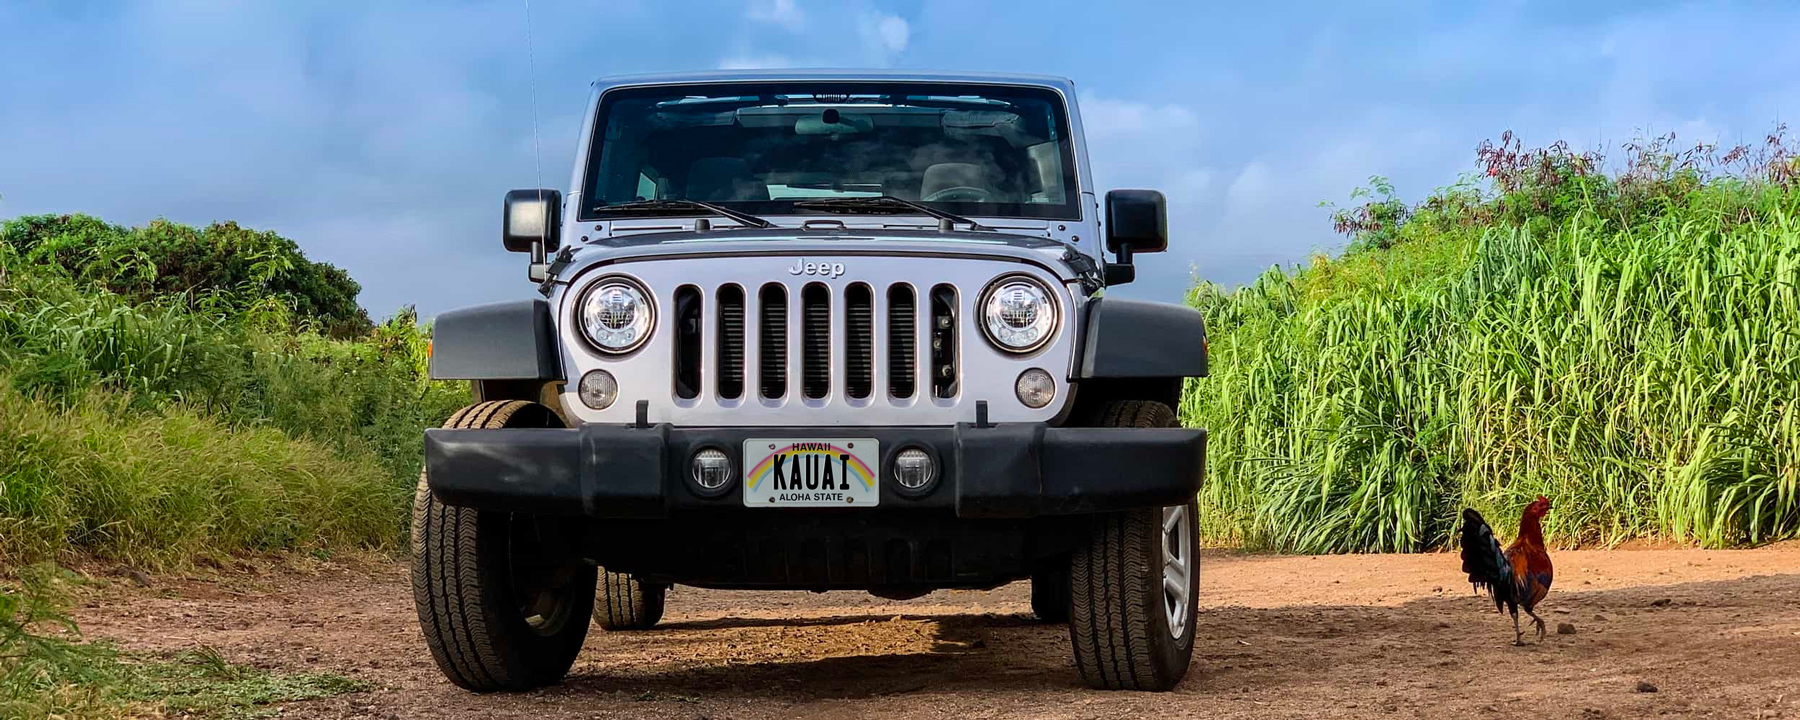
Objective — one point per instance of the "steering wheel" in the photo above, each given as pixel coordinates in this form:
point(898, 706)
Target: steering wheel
point(962, 193)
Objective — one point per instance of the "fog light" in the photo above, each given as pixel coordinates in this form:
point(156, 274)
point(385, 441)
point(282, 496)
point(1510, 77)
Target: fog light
point(598, 389)
point(914, 468)
point(1035, 388)
point(711, 469)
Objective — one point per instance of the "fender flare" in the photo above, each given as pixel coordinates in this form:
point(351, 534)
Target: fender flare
point(1137, 339)
point(502, 341)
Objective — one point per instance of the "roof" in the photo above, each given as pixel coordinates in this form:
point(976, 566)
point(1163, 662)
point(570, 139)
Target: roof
point(1066, 86)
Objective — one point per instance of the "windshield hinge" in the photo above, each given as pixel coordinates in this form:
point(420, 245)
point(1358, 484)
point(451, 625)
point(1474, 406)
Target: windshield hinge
point(1085, 269)
point(563, 257)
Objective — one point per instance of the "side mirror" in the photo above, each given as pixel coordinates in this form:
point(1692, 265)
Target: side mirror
point(1137, 221)
point(532, 217)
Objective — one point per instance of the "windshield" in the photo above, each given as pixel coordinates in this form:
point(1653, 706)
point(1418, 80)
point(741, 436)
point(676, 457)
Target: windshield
point(986, 151)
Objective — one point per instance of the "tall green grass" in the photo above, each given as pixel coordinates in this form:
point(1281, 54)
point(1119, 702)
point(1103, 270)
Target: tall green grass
point(1641, 370)
point(158, 430)
point(167, 395)
point(60, 338)
point(149, 488)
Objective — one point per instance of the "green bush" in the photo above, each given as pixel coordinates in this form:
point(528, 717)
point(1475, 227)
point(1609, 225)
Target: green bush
point(169, 394)
point(223, 266)
point(154, 487)
point(154, 430)
point(1628, 346)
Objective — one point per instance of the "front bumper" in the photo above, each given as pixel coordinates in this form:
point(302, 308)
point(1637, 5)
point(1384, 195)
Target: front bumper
point(999, 471)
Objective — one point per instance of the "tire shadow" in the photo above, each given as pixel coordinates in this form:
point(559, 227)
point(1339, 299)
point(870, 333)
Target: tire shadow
point(987, 620)
point(1301, 648)
point(836, 657)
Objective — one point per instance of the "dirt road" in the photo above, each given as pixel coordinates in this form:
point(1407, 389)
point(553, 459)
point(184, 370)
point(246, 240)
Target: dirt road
point(1717, 633)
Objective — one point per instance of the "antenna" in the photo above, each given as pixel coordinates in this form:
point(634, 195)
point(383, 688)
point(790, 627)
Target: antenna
point(538, 270)
point(537, 147)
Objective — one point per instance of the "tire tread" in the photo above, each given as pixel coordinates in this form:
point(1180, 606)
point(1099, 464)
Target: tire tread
point(627, 603)
point(451, 594)
point(1115, 622)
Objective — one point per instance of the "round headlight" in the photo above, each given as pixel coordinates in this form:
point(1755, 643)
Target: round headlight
point(1018, 314)
point(616, 315)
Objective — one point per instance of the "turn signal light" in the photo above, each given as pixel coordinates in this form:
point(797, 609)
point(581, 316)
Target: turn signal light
point(598, 389)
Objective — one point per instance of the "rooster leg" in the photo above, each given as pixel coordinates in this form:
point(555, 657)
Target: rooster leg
point(1538, 621)
point(1518, 635)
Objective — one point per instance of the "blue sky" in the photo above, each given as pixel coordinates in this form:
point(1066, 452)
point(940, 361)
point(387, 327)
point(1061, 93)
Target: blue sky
point(381, 136)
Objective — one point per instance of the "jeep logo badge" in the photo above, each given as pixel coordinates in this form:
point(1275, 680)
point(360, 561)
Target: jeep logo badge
point(802, 267)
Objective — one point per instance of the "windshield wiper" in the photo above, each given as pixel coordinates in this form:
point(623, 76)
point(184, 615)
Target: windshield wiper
point(887, 205)
point(666, 205)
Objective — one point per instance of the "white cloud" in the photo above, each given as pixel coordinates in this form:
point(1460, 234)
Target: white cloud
point(785, 13)
point(756, 62)
point(886, 34)
point(1253, 190)
point(1191, 183)
point(1138, 144)
point(1141, 144)
point(1106, 117)
point(837, 37)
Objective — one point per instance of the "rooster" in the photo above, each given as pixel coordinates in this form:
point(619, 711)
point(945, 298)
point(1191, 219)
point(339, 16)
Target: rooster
point(1518, 577)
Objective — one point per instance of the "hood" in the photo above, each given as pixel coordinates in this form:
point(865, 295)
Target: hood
point(909, 236)
point(1065, 260)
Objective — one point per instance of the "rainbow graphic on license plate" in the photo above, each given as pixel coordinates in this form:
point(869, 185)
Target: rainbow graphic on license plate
point(811, 472)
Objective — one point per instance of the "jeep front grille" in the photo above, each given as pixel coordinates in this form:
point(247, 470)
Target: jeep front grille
point(902, 342)
point(744, 340)
point(687, 341)
point(828, 344)
point(859, 340)
point(943, 341)
point(731, 342)
point(772, 312)
point(815, 340)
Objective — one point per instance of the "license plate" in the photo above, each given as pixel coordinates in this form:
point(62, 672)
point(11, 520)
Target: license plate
point(811, 472)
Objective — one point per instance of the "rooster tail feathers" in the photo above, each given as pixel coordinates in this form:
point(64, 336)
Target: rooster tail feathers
point(1484, 560)
point(1476, 538)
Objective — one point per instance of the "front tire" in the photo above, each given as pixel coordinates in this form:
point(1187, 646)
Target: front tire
point(1134, 585)
point(492, 620)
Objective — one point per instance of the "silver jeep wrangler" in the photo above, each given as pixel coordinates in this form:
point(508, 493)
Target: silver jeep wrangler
point(821, 331)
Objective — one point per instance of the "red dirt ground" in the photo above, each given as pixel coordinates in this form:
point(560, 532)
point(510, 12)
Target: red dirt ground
point(1280, 636)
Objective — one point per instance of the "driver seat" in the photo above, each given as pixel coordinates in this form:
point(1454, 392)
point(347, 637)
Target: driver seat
point(944, 176)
